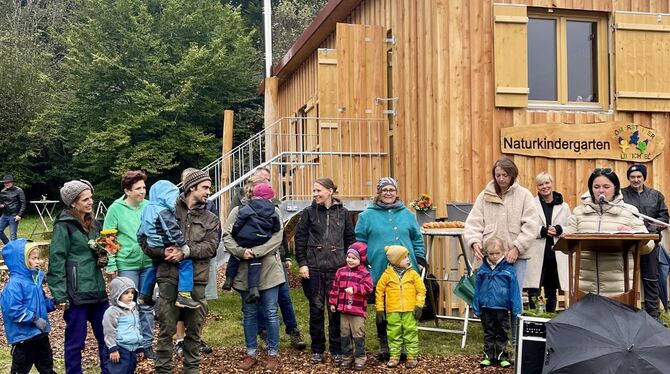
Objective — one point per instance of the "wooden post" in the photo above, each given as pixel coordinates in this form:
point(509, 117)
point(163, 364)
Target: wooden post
point(226, 162)
point(270, 115)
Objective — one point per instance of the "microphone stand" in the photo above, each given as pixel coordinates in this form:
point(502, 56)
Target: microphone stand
point(638, 214)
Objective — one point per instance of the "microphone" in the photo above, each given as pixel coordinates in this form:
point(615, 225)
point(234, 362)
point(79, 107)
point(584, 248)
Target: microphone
point(602, 200)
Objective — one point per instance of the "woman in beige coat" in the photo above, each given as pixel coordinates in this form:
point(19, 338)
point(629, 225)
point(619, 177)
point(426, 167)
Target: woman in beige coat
point(505, 210)
point(547, 268)
point(602, 273)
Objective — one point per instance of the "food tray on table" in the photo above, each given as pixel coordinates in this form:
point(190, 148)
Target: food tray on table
point(443, 228)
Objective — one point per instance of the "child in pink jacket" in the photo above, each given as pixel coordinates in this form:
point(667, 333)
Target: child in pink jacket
point(348, 295)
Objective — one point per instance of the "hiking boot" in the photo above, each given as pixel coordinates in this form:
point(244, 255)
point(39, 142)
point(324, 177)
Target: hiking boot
point(149, 354)
point(393, 362)
point(247, 363)
point(296, 340)
point(185, 302)
point(359, 367)
point(411, 363)
point(485, 362)
point(179, 348)
point(204, 348)
point(228, 284)
point(317, 358)
point(337, 359)
point(272, 363)
point(384, 353)
point(505, 364)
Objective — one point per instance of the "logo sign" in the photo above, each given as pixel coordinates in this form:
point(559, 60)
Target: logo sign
point(612, 140)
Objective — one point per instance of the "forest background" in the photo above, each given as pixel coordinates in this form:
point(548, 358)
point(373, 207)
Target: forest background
point(91, 88)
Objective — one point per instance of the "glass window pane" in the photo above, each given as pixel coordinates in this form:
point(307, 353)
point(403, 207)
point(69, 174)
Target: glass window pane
point(582, 60)
point(542, 59)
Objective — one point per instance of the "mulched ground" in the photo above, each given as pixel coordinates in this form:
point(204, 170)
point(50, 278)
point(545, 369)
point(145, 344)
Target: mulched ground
point(225, 360)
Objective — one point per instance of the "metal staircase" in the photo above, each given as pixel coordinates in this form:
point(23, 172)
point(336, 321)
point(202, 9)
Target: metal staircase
point(298, 150)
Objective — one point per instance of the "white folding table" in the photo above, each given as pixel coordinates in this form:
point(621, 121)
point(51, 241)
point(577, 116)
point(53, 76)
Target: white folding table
point(45, 209)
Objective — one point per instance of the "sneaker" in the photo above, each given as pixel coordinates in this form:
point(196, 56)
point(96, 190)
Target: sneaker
point(505, 364)
point(296, 340)
point(204, 348)
point(411, 363)
point(337, 359)
point(179, 348)
point(359, 367)
point(347, 362)
point(185, 302)
point(317, 358)
point(149, 354)
point(393, 362)
point(272, 363)
point(247, 363)
point(485, 362)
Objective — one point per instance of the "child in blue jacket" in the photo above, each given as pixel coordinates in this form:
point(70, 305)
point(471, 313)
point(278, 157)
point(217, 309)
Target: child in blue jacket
point(496, 295)
point(160, 229)
point(256, 223)
point(121, 324)
point(25, 307)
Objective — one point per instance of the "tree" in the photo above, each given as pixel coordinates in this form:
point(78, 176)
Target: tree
point(289, 21)
point(144, 84)
point(26, 62)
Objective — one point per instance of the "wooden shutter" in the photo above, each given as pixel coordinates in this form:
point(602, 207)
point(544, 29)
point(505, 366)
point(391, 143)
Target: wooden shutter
point(642, 52)
point(510, 59)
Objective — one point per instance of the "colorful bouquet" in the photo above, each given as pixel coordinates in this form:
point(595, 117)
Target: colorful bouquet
point(105, 245)
point(423, 203)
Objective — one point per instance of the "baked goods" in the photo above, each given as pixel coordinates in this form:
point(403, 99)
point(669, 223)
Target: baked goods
point(444, 225)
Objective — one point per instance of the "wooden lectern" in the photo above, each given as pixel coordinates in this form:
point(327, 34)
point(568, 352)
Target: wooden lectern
point(624, 243)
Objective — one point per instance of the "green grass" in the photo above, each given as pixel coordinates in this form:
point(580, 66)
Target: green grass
point(227, 330)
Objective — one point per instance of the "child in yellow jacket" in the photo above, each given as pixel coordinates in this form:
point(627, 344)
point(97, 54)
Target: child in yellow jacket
point(401, 293)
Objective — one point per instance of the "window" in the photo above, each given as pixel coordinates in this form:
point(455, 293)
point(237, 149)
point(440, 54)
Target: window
point(567, 59)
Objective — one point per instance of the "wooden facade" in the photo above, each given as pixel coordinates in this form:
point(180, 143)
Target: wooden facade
point(459, 79)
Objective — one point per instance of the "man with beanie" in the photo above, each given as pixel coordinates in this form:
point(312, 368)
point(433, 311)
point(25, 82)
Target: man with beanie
point(400, 296)
point(200, 227)
point(12, 206)
point(649, 202)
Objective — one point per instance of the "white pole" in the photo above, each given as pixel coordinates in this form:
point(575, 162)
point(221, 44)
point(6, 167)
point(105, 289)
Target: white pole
point(267, 12)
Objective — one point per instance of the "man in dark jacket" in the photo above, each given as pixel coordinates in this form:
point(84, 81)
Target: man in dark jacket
point(13, 206)
point(200, 227)
point(649, 202)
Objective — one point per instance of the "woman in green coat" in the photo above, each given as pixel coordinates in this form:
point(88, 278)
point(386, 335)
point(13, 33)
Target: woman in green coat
point(75, 279)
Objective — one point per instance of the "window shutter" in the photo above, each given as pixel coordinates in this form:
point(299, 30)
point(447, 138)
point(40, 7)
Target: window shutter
point(642, 52)
point(510, 46)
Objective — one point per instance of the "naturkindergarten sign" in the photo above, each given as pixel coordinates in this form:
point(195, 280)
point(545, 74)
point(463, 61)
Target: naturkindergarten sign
point(611, 140)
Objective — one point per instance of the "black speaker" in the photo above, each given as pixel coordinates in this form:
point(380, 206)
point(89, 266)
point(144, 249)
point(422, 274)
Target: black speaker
point(531, 341)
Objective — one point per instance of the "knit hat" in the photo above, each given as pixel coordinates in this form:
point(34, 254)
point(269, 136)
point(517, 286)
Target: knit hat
point(195, 178)
point(386, 181)
point(395, 253)
point(359, 250)
point(264, 191)
point(637, 167)
point(72, 189)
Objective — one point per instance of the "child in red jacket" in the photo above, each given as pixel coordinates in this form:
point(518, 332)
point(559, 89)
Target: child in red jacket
point(348, 295)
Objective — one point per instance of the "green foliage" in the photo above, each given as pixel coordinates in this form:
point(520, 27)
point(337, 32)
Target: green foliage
point(291, 17)
point(143, 85)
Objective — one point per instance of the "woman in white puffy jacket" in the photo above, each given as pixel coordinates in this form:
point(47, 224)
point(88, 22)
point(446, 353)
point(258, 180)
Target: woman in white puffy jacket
point(603, 273)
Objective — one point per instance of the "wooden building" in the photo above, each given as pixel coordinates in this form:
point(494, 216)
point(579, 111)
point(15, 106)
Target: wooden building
point(445, 78)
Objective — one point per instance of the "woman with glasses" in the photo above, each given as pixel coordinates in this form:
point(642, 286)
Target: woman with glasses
point(387, 221)
point(602, 209)
point(324, 233)
point(547, 268)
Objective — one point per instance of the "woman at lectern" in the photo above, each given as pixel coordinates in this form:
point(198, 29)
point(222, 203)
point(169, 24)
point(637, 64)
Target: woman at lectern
point(603, 210)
